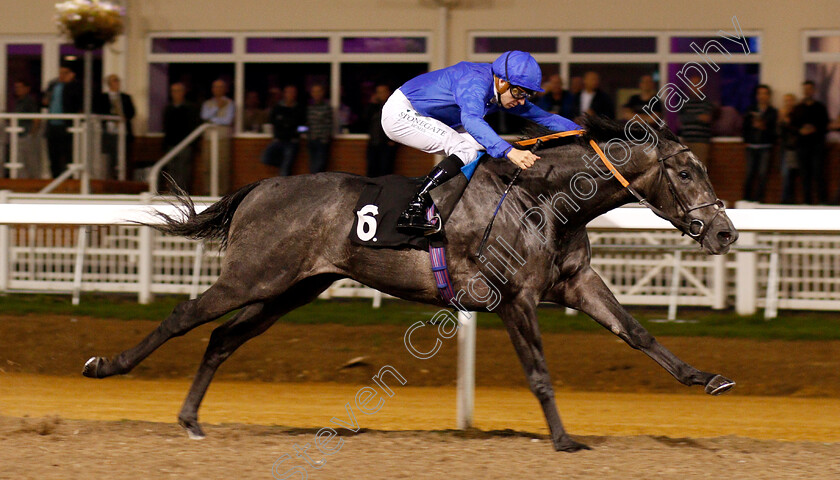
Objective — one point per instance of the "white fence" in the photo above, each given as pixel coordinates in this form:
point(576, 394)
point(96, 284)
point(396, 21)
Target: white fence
point(789, 259)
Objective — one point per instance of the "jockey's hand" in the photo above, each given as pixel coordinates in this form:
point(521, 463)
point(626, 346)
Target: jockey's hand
point(522, 158)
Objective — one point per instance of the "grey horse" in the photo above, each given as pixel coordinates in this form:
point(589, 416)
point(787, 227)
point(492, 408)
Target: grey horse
point(286, 241)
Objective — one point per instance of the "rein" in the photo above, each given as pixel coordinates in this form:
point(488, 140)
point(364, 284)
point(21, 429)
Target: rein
point(695, 228)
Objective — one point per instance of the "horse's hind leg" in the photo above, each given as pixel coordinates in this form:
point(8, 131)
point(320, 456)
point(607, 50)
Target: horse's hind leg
point(249, 323)
point(218, 300)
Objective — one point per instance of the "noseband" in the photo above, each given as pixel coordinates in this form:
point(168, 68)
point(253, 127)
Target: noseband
point(693, 227)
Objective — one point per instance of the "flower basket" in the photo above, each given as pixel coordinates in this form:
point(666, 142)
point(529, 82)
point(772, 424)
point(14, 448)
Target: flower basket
point(90, 24)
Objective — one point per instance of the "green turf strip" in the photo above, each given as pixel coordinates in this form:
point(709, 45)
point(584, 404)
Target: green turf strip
point(694, 321)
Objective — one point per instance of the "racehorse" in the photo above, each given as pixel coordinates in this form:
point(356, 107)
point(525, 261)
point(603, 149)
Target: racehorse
point(286, 241)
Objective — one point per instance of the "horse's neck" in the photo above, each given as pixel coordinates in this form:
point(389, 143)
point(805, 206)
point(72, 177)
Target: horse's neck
point(579, 186)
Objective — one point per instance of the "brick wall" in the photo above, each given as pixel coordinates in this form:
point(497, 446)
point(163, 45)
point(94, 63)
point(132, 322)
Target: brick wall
point(727, 166)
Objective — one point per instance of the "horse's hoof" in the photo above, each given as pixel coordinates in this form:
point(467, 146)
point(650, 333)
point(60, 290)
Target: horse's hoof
point(93, 367)
point(193, 429)
point(719, 384)
point(566, 444)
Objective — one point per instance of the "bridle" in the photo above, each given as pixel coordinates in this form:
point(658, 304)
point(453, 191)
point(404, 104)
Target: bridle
point(693, 227)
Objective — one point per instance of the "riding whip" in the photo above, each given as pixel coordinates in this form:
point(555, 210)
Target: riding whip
point(487, 230)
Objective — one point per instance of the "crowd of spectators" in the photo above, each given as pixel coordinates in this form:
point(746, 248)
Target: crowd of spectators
point(792, 137)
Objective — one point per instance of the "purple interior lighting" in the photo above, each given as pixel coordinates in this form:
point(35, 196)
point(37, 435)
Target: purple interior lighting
point(192, 45)
point(525, 44)
point(287, 45)
point(384, 45)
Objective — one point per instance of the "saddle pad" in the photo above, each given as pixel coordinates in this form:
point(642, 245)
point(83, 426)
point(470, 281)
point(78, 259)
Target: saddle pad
point(380, 204)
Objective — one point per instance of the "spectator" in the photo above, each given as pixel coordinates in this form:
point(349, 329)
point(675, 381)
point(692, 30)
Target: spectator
point(727, 122)
point(29, 152)
point(113, 102)
point(810, 118)
point(696, 120)
point(219, 111)
point(63, 95)
point(557, 100)
point(759, 136)
point(253, 116)
point(640, 100)
point(319, 121)
point(593, 101)
point(286, 116)
point(180, 118)
point(381, 150)
point(787, 148)
point(575, 85)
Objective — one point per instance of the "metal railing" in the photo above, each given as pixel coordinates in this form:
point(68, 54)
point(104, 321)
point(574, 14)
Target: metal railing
point(154, 174)
point(72, 243)
point(82, 161)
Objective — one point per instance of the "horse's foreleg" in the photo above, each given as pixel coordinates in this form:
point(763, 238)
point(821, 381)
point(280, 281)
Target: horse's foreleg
point(252, 321)
point(587, 292)
point(214, 303)
point(521, 322)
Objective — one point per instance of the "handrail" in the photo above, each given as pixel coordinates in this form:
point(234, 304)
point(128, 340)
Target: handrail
point(78, 164)
point(71, 169)
point(154, 174)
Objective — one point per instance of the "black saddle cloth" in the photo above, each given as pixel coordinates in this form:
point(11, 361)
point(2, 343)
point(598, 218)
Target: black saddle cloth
point(383, 199)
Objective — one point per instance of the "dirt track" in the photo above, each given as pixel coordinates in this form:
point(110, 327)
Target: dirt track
point(683, 433)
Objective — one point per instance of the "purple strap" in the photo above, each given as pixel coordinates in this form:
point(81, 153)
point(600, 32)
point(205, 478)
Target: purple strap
point(437, 255)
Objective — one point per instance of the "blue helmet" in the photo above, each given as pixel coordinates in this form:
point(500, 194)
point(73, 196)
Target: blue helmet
point(520, 69)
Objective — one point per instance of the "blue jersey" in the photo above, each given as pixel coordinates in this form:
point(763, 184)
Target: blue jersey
point(461, 95)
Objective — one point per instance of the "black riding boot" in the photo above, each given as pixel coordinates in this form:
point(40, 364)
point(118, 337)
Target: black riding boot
point(413, 219)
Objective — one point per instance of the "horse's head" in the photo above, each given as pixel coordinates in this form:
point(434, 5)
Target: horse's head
point(677, 184)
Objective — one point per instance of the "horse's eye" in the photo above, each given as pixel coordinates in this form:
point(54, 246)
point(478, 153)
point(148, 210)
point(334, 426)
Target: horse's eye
point(684, 175)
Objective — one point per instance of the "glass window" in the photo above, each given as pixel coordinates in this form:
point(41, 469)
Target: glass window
point(264, 83)
point(683, 45)
point(619, 81)
point(824, 44)
point(526, 44)
point(826, 78)
point(196, 77)
point(730, 90)
point(358, 86)
point(72, 56)
point(192, 45)
point(384, 45)
point(287, 45)
point(23, 63)
point(613, 44)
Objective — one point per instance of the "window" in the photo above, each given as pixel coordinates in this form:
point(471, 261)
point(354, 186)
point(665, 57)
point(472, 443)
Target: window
point(613, 44)
point(526, 44)
point(23, 63)
point(257, 66)
point(383, 45)
point(69, 54)
point(197, 79)
point(192, 45)
point(822, 66)
point(621, 59)
point(287, 45)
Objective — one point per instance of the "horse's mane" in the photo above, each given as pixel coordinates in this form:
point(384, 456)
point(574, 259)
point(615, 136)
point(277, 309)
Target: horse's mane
point(600, 129)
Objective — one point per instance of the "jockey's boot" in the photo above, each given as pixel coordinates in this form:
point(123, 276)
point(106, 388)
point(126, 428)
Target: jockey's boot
point(413, 219)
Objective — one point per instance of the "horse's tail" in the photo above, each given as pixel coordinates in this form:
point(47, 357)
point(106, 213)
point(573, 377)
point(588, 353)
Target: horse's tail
point(212, 223)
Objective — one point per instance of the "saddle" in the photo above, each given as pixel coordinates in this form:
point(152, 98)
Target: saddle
point(381, 201)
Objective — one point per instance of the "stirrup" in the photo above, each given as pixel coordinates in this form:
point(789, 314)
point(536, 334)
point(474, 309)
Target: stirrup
point(438, 225)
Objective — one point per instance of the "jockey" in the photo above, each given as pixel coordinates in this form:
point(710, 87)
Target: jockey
point(425, 112)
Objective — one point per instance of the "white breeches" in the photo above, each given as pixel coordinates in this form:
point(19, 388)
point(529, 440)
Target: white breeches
point(405, 125)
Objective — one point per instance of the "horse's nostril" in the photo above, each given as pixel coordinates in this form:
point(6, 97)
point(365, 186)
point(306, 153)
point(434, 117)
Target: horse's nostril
point(725, 237)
